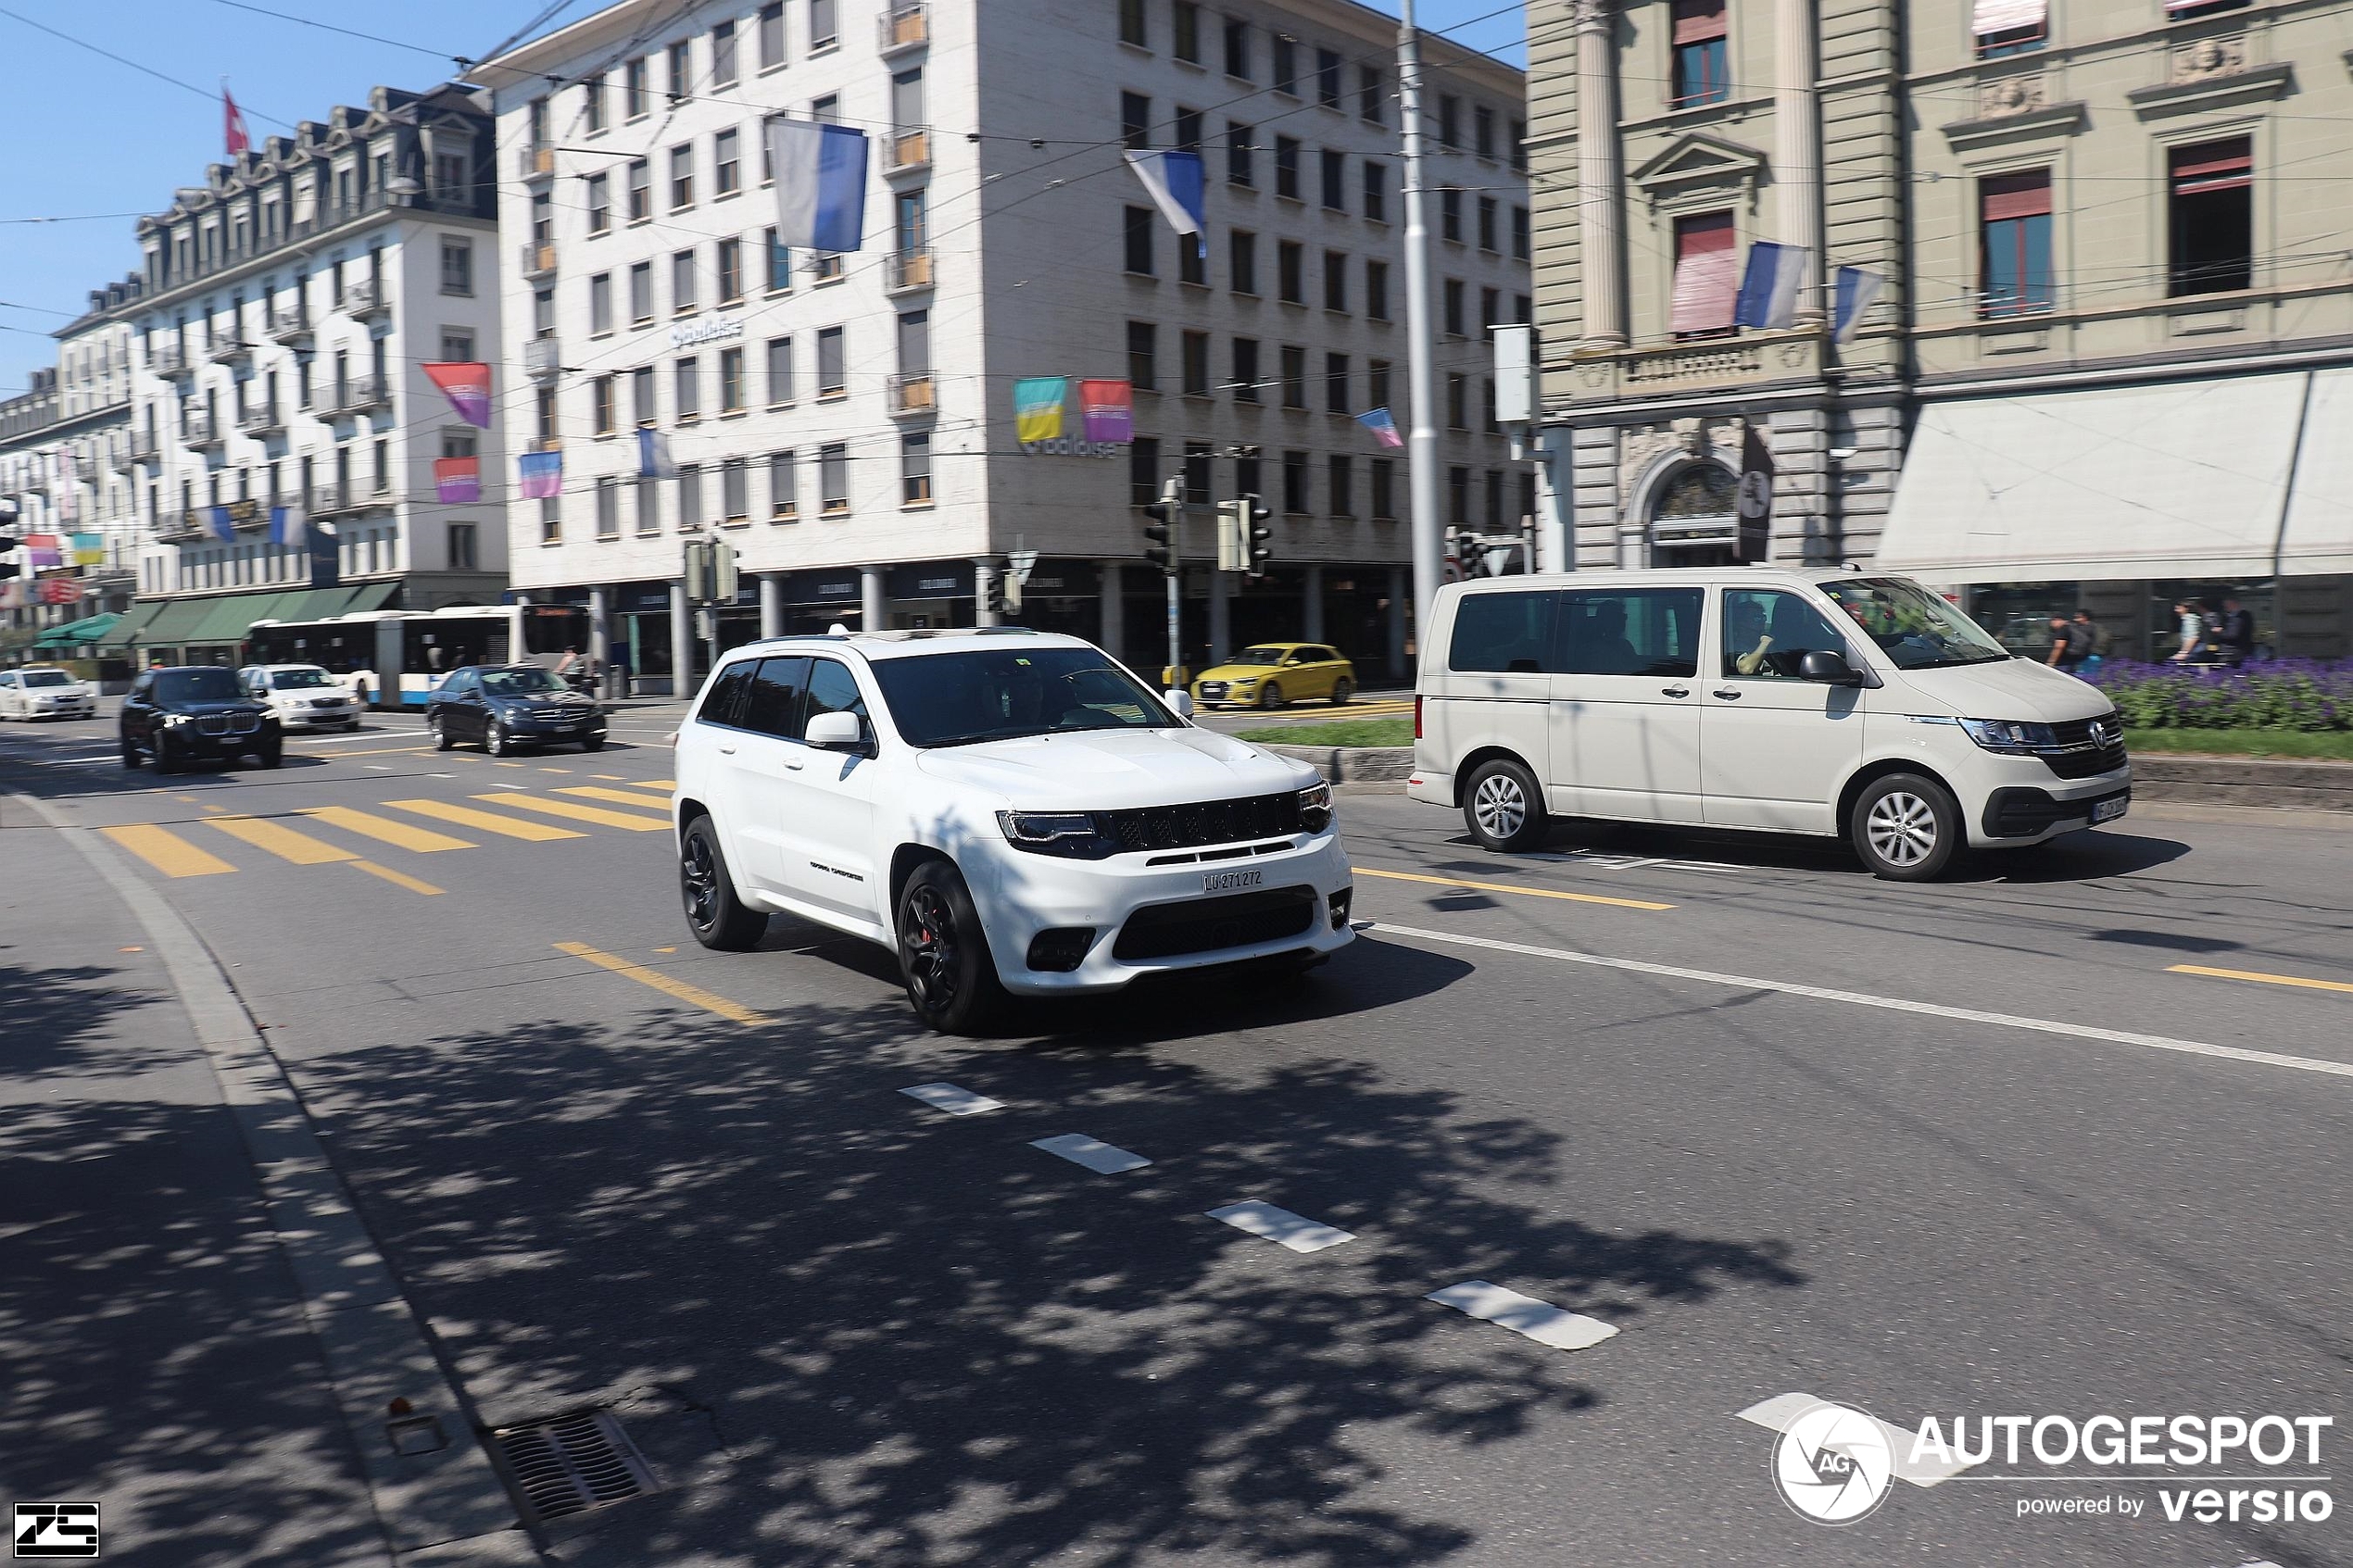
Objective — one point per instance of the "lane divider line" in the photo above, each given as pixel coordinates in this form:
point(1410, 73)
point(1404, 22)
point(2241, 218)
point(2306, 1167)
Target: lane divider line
point(2260, 978)
point(952, 1099)
point(596, 814)
point(399, 879)
point(1540, 1321)
point(485, 822)
point(1281, 1226)
point(1781, 1412)
point(284, 842)
point(167, 851)
point(1893, 1004)
point(693, 996)
point(1509, 888)
point(400, 836)
point(1104, 1159)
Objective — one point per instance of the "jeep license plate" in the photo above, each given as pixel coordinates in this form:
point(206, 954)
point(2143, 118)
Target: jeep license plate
point(1225, 881)
point(2109, 810)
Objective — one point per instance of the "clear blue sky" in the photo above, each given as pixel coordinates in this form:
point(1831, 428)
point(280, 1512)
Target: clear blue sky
point(89, 136)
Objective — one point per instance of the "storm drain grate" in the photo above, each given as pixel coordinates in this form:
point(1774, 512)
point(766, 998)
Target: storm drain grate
point(571, 1464)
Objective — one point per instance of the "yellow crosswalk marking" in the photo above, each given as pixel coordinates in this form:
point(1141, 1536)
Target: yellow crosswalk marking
point(661, 783)
point(167, 851)
point(596, 814)
point(485, 822)
point(597, 791)
point(694, 996)
point(400, 836)
point(399, 879)
point(2305, 982)
point(280, 841)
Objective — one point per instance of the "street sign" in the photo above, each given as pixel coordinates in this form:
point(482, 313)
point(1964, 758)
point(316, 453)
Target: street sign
point(1755, 498)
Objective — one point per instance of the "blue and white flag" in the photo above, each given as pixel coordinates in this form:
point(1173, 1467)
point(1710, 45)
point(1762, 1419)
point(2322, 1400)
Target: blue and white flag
point(820, 183)
point(1382, 424)
point(217, 519)
point(1857, 288)
point(653, 454)
point(1769, 291)
point(288, 526)
point(1175, 183)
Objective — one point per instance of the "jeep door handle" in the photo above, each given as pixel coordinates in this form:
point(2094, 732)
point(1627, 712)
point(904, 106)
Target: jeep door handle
point(1728, 694)
point(795, 767)
point(726, 751)
point(1675, 691)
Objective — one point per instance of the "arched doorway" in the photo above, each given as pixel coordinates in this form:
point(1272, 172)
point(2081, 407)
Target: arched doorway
point(1695, 516)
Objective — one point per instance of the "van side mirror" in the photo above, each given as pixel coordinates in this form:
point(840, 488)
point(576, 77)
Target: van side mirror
point(837, 732)
point(1830, 667)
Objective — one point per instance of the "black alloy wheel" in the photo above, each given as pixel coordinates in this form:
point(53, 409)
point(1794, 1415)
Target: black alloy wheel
point(943, 954)
point(131, 758)
point(714, 914)
point(1342, 689)
point(495, 739)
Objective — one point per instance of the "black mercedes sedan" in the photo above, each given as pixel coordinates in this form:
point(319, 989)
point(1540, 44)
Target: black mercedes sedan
point(507, 707)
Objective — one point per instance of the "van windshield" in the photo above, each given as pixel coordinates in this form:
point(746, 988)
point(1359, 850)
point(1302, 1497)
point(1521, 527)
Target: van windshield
point(1916, 629)
point(1005, 694)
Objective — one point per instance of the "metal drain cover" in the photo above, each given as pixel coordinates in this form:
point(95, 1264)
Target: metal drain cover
point(571, 1464)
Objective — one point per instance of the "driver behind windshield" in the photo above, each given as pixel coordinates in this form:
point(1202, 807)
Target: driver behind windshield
point(516, 683)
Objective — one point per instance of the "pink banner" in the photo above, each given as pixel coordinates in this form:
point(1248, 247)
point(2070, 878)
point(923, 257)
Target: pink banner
point(1107, 410)
point(466, 382)
point(457, 479)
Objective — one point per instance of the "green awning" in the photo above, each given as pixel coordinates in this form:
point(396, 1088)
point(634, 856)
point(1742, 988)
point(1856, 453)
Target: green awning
point(229, 618)
point(136, 621)
point(172, 623)
point(89, 630)
point(371, 595)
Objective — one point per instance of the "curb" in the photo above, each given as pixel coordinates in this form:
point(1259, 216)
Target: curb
point(1353, 764)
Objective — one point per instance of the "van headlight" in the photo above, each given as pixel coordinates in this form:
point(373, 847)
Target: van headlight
point(1315, 806)
point(2011, 737)
point(1072, 835)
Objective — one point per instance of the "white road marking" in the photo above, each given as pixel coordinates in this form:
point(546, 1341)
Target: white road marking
point(1776, 1415)
point(1893, 1004)
point(1294, 1231)
point(953, 1100)
point(1101, 1158)
point(1540, 1321)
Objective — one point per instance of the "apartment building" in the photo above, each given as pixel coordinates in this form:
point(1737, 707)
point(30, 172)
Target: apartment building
point(287, 304)
point(2112, 360)
point(846, 421)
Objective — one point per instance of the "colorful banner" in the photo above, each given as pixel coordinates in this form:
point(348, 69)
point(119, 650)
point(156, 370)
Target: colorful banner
point(821, 185)
point(457, 479)
point(542, 474)
point(221, 523)
point(60, 591)
point(288, 525)
point(1382, 425)
point(466, 383)
point(43, 549)
point(89, 549)
point(1107, 410)
point(1037, 407)
point(12, 593)
point(653, 454)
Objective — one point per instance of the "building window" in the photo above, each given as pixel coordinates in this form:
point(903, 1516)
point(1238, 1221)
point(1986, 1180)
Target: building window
point(1523, 248)
point(1184, 31)
point(600, 190)
point(1702, 75)
point(635, 97)
point(1491, 308)
point(1237, 49)
point(1283, 73)
point(1140, 240)
point(833, 476)
point(1286, 167)
point(735, 490)
point(1450, 214)
point(1377, 290)
point(457, 266)
point(1483, 130)
point(1517, 150)
point(463, 556)
point(1291, 273)
point(682, 177)
point(1336, 384)
point(1294, 376)
point(914, 343)
point(1377, 382)
point(915, 470)
point(1196, 364)
point(2211, 218)
point(690, 513)
point(772, 35)
point(1707, 276)
point(1295, 483)
point(1339, 486)
point(1487, 223)
point(779, 263)
point(592, 105)
point(2011, 27)
point(1335, 170)
point(1187, 135)
point(1198, 489)
point(833, 373)
point(642, 408)
point(1451, 294)
point(722, 55)
point(609, 507)
point(641, 190)
point(600, 405)
point(687, 387)
point(1458, 486)
point(648, 500)
point(1135, 121)
point(1246, 474)
point(1131, 24)
point(682, 283)
point(1384, 490)
point(680, 72)
point(731, 380)
point(1450, 122)
point(1495, 498)
point(1327, 82)
point(822, 33)
point(1192, 260)
point(601, 305)
point(1144, 340)
point(1335, 280)
point(1372, 94)
point(784, 488)
point(1376, 191)
point(1237, 151)
point(1245, 369)
point(1242, 253)
point(1457, 400)
point(727, 175)
point(730, 257)
point(641, 292)
point(2015, 218)
point(1143, 471)
point(779, 371)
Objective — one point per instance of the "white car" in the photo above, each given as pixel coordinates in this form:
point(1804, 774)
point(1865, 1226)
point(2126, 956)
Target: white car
point(42, 692)
point(1007, 810)
point(1748, 697)
point(303, 696)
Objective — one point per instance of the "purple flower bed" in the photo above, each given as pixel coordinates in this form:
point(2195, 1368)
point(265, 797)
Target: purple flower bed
point(2287, 694)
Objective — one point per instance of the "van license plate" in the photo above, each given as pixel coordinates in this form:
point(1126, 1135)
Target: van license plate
point(2109, 810)
point(1225, 881)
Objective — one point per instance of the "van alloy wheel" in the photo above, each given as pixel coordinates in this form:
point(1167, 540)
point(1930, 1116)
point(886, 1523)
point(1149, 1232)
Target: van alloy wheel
point(1902, 828)
point(1501, 805)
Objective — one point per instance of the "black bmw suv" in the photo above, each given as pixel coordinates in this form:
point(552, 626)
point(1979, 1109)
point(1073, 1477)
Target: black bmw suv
point(196, 714)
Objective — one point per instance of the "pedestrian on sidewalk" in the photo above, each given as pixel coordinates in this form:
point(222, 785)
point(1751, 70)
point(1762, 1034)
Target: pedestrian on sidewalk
point(2234, 638)
point(2197, 642)
point(2103, 641)
point(2071, 645)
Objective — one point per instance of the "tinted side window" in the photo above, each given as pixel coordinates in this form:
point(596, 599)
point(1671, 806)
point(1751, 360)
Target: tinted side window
point(1502, 633)
point(726, 694)
point(771, 704)
point(832, 689)
point(1649, 632)
point(1766, 633)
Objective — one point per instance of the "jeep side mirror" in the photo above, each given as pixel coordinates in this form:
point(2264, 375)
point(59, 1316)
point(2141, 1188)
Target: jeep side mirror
point(836, 731)
point(1830, 667)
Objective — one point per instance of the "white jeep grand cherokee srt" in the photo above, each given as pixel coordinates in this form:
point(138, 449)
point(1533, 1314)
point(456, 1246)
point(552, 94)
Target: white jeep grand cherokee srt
point(1009, 810)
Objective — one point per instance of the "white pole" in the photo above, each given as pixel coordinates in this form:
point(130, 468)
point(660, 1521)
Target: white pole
point(1421, 371)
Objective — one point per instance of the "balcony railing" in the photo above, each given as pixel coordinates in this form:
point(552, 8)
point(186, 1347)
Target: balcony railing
point(365, 297)
point(910, 270)
point(228, 351)
point(907, 149)
point(360, 394)
point(178, 525)
point(538, 159)
point(199, 430)
point(912, 392)
point(144, 447)
point(343, 500)
point(535, 259)
point(267, 420)
point(902, 27)
point(289, 327)
point(542, 359)
point(168, 360)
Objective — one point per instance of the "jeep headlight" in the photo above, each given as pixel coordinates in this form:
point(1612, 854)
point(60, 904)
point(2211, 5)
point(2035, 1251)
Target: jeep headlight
point(1073, 834)
point(1315, 806)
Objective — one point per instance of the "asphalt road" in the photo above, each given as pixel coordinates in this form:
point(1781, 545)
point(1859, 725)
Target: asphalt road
point(1984, 1148)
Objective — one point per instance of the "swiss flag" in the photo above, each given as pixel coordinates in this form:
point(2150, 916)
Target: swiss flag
point(232, 124)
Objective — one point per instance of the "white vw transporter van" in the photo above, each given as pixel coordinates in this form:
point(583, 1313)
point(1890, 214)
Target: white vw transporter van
point(1815, 702)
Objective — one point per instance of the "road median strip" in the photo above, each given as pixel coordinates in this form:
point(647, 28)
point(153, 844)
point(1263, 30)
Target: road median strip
point(1509, 888)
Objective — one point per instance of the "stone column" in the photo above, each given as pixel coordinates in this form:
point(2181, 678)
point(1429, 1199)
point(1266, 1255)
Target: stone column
point(1310, 619)
point(1601, 212)
point(1797, 148)
point(1110, 627)
point(984, 579)
point(1221, 604)
point(870, 599)
point(1397, 601)
point(681, 642)
point(771, 603)
point(600, 639)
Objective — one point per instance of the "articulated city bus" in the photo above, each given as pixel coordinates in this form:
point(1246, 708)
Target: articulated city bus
point(395, 659)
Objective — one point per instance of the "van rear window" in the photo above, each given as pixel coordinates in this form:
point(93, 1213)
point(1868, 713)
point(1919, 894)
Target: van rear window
point(1502, 633)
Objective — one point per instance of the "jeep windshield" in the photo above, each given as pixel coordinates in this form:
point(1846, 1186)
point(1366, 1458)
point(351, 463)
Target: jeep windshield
point(1008, 692)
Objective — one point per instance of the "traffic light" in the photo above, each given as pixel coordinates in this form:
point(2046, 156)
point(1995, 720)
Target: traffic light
point(1166, 514)
point(1257, 538)
point(8, 542)
point(710, 571)
point(1004, 593)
